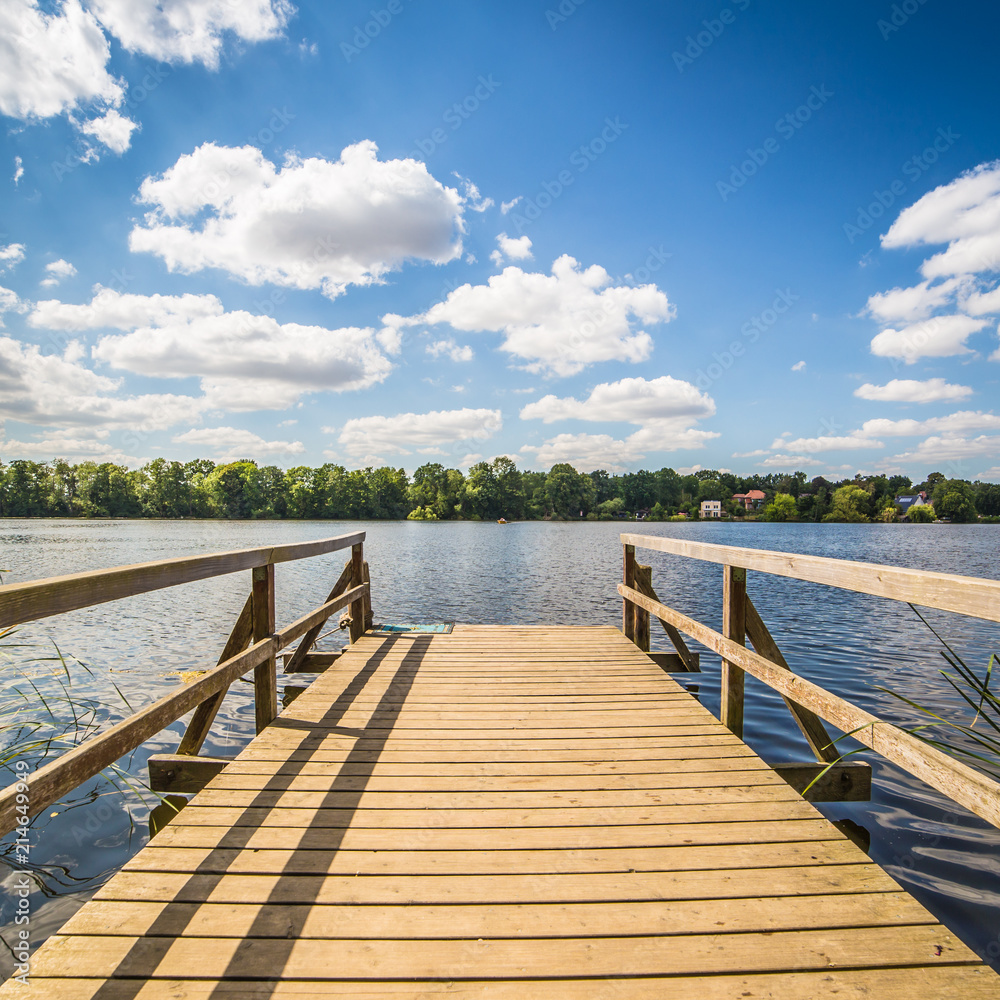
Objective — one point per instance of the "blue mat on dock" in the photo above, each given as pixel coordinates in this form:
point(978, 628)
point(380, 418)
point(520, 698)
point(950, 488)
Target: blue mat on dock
point(442, 629)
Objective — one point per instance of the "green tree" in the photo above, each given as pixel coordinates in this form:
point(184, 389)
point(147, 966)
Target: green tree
point(712, 489)
point(956, 500)
point(923, 514)
point(24, 493)
point(850, 504)
point(106, 490)
point(781, 508)
point(569, 494)
point(234, 489)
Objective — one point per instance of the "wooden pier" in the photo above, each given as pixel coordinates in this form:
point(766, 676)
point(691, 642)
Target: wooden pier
point(499, 812)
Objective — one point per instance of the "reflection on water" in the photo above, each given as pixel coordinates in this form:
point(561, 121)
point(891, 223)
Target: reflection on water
point(529, 573)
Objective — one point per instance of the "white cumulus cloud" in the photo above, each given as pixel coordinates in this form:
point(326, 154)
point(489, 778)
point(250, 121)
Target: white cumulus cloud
point(949, 448)
point(904, 390)
point(559, 322)
point(245, 361)
point(965, 214)
point(665, 409)
point(634, 400)
point(51, 63)
point(828, 442)
point(312, 223)
point(450, 349)
point(188, 31)
point(426, 433)
point(953, 423)
point(937, 337)
point(234, 443)
point(514, 249)
point(936, 317)
point(123, 311)
point(56, 271)
point(52, 389)
point(10, 302)
point(10, 256)
point(112, 129)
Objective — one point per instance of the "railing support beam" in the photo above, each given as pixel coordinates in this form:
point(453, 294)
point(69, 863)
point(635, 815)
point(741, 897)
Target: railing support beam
point(265, 675)
point(628, 578)
point(357, 627)
point(734, 594)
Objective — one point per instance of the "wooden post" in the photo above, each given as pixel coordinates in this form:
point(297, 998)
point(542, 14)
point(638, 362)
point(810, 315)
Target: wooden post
point(369, 614)
point(357, 608)
point(643, 581)
point(265, 675)
point(734, 592)
point(628, 578)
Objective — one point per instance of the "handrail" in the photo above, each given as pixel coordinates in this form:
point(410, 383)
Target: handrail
point(965, 785)
point(34, 599)
point(966, 595)
point(49, 783)
point(253, 645)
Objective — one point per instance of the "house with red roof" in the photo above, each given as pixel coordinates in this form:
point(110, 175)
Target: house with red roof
point(752, 500)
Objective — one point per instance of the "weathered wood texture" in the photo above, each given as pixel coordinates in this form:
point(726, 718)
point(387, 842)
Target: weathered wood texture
point(183, 774)
point(965, 594)
point(968, 787)
point(25, 602)
point(414, 826)
point(265, 674)
point(734, 597)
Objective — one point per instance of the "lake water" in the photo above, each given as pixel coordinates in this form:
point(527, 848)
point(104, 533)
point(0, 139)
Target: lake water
point(526, 573)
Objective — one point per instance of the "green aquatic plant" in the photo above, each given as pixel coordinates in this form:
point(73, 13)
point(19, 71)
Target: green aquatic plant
point(44, 712)
point(976, 742)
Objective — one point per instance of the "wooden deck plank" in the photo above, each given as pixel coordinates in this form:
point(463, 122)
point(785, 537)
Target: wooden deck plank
point(502, 813)
point(427, 922)
point(721, 883)
point(592, 957)
point(915, 983)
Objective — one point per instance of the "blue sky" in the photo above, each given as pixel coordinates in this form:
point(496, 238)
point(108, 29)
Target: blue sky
point(748, 236)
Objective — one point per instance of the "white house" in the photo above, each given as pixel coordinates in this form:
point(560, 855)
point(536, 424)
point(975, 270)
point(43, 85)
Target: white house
point(711, 508)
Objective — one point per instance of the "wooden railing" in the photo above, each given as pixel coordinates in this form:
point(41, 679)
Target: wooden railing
point(808, 702)
point(253, 645)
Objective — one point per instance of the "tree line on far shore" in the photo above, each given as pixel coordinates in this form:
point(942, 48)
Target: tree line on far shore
point(490, 490)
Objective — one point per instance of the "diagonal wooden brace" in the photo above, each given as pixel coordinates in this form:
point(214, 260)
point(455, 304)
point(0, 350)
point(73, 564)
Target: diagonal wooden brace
point(812, 727)
point(204, 715)
point(302, 650)
point(644, 584)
